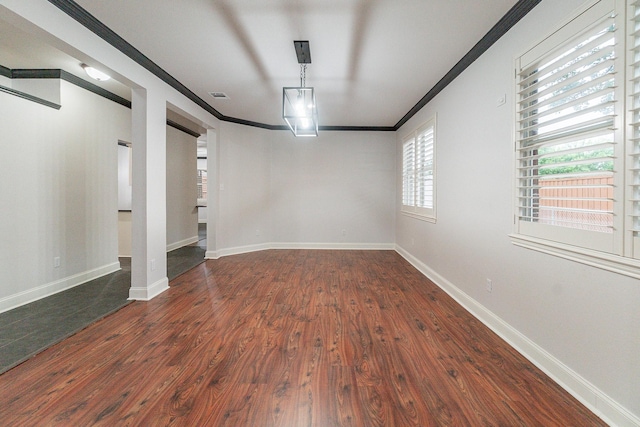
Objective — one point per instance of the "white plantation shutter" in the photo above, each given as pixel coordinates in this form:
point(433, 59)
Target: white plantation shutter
point(632, 248)
point(424, 168)
point(578, 140)
point(418, 172)
point(568, 141)
point(408, 172)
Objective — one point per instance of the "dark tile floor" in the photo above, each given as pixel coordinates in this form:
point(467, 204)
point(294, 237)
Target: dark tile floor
point(31, 328)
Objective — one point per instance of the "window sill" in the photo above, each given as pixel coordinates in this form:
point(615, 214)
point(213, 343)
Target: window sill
point(609, 262)
point(420, 217)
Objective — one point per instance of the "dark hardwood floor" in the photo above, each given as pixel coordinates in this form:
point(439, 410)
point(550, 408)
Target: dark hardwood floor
point(289, 338)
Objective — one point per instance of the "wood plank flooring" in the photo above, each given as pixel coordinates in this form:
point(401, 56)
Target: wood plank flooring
point(289, 338)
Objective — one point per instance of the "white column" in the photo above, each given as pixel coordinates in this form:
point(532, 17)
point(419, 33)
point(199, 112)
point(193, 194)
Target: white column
point(212, 193)
point(149, 201)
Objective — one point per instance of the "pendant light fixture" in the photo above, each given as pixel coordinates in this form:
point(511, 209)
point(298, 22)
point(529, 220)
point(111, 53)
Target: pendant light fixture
point(299, 103)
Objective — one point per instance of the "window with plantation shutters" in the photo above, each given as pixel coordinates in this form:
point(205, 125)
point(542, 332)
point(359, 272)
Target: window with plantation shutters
point(568, 102)
point(418, 172)
point(578, 140)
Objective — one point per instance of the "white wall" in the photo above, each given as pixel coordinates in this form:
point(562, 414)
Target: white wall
point(58, 194)
point(580, 323)
point(124, 233)
point(182, 215)
point(124, 200)
point(280, 191)
point(124, 178)
point(244, 176)
point(202, 203)
point(150, 98)
point(182, 191)
point(337, 188)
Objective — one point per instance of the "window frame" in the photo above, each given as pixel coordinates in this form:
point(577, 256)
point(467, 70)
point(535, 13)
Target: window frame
point(419, 212)
point(623, 257)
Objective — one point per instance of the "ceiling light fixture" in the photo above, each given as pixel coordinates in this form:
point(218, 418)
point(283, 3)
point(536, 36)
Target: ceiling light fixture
point(95, 74)
point(299, 103)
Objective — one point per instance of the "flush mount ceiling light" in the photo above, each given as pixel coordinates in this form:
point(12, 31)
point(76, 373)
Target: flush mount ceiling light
point(299, 103)
point(95, 74)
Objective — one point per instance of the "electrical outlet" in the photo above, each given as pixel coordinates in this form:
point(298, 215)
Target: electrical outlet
point(489, 285)
point(153, 264)
point(344, 232)
point(56, 262)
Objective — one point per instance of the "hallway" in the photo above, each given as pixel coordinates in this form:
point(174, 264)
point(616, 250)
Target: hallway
point(27, 330)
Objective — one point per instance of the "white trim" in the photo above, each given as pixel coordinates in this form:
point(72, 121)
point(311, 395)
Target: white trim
point(421, 217)
point(588, 394)
point(236, 251)
point(336, 246)
point(25, 297)
point(181, 243)
point(609, 262)
point(321, 246)
point(149, 292)
point(211, 255)
point(548, 42)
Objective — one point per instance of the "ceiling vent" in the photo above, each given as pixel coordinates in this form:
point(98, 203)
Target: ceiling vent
point(219, 95)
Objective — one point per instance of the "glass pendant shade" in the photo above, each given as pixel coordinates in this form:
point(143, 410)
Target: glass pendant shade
point(299, 110)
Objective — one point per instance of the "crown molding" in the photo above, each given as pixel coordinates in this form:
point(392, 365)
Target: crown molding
point(54, 73)
point(83, 17)
point(5, 72)
point(29, 97)
point(182, 128)
point(357, 128)
point(73, 79)
point(515, 14)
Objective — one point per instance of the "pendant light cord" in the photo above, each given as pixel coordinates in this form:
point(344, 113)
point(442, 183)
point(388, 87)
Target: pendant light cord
point(303, 72)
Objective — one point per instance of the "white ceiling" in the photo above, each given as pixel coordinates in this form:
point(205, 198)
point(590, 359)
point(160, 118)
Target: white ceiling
point(23, 50)
point(372, 60)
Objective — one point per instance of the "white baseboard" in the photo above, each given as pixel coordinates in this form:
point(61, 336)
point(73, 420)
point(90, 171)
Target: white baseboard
point(181, 243)
point(211, 255)
point(147, 293)
point(335, 246)
point(266, 246)
point(588, 394)
point(25, 297)
point(236, 250)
